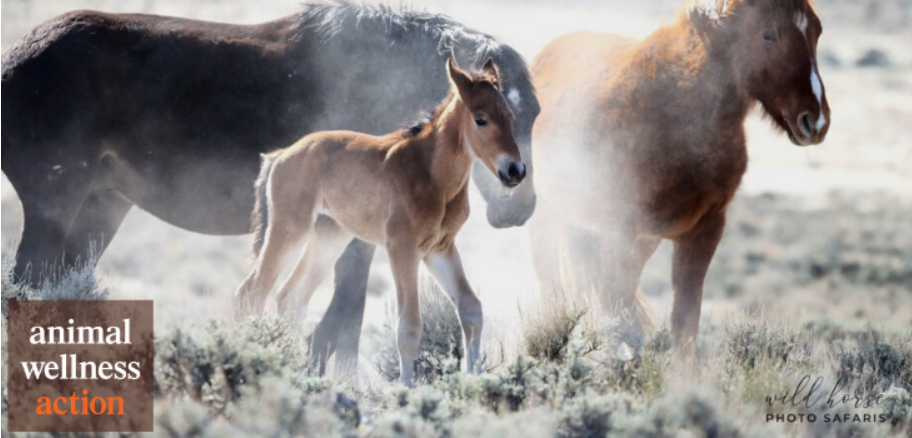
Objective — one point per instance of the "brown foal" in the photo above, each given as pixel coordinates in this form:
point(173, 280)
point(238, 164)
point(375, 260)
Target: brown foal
point(640, 141)
point(407, 191)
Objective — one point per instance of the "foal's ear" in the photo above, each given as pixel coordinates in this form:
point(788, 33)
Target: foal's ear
point(492, 69)
point(459, 78)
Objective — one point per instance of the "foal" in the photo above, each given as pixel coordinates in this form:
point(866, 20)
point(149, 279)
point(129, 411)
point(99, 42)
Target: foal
point(407, 191)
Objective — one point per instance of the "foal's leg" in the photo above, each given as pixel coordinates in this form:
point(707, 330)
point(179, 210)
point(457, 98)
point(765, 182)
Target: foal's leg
point(324, 248)
point(290, 221)
point(340, 328)
point(446, 267)
point(692, 254)
point(404, 259)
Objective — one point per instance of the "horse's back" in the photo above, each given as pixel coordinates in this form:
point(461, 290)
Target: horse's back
point(569, 74)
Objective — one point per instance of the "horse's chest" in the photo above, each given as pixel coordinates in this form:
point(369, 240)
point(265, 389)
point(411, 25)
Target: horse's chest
point(442, 235)
point(678, 190)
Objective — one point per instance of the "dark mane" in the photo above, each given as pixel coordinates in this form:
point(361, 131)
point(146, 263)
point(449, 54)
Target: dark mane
point(329, 18)
point(336, 18)
point(414, 127)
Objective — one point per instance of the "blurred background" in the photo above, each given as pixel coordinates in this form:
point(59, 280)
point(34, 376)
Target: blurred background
point(822, 234)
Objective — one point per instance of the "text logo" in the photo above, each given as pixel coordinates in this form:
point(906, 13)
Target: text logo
point(80, 366)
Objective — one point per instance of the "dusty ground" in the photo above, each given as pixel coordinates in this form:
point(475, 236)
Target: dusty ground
point(821, 234)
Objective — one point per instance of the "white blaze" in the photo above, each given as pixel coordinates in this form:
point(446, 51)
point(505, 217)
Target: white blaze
point(801, 22)
point(817, 87)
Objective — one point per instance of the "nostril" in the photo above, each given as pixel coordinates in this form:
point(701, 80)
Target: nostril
point(513, 171)
point(522, 171)
point(804, 124)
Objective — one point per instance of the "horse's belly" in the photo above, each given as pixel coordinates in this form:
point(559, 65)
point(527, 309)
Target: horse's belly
point(202, 196)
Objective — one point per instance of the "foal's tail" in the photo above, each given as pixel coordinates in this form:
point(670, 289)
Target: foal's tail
point(259, 221)
point(645, 318)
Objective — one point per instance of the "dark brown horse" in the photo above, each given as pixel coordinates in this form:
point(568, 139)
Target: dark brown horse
point(102, 112)
point(641, 141)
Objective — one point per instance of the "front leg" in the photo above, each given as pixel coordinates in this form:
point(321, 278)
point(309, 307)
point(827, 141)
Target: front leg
point(693, 252)
point(404, 260)
point(446, 267)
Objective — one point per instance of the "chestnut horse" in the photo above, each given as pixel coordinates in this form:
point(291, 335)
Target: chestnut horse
point(104, 112)
point(640, 141)
point(407, 191)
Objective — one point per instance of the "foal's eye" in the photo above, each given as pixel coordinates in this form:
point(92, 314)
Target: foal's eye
point(768, 36)
point(481, 122)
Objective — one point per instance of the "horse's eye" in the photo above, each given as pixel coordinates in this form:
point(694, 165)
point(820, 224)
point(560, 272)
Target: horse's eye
point(481, 122)
point(769, 36)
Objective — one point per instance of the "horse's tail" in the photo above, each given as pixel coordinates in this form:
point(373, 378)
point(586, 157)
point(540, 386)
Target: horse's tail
point(259, 221)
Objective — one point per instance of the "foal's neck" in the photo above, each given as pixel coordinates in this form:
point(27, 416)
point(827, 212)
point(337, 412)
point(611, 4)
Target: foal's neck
point(451, 157)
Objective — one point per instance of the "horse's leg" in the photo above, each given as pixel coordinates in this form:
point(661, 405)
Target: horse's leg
point(339, 330)
point(51, 200)
point(291, 218)
point(545, 231)
point(323, 249)
point(693, 252)
point(625, 255)
point(98, 220)
point(404, 259)
point(446, 267)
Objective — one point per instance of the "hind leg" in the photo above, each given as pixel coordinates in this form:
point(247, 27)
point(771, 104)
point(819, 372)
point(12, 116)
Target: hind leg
point(98, 220)
point(291, 219)
point(339, 331)
point(625, 255)
point(545, 230)
point(327, 244)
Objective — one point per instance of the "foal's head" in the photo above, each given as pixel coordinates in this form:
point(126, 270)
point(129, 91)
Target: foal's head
point(774, 45)
point(486, 121)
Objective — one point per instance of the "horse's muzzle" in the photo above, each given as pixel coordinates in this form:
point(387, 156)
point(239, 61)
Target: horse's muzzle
point(808, 129)
point(511, 173)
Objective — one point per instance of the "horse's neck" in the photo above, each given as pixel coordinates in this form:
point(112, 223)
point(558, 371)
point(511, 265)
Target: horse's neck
point(699, 79)
point(451, 159)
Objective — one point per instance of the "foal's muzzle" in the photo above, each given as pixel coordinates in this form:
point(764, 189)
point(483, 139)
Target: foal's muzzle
point(510, 172)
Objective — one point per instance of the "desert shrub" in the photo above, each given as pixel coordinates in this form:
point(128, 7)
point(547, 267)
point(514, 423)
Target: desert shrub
point(532, 423)
point(511, 386)
point(876, 363)
point(549, 326)
point(272, 408)
point(440, 351)
point(593, 415)
point(897, 405)
point(76, 283)
point(215, 368)
point(693, 413)
point(751, 342)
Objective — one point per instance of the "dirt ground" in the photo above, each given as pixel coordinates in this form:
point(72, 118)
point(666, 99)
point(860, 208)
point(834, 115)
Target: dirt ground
point(820, 234)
